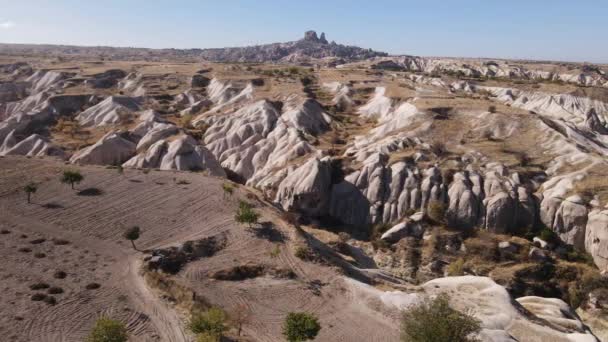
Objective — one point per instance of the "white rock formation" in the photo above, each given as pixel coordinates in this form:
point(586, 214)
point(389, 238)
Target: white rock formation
point(596, 238)
point(342, 95)
point(411, 226)
point(502, 318)
point(307, 188)
point(181, 152)
point(378, 107)
point(156, 132)
point(34, 146)
point(570, 221)
point(112, 110)
point(256, 142)
point(500, 69)
point(111, 149)
point(308, 117)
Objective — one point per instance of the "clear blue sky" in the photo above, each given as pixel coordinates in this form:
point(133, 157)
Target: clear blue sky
point(542, 29)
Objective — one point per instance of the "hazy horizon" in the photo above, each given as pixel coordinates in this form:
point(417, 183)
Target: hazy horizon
point(543, 30)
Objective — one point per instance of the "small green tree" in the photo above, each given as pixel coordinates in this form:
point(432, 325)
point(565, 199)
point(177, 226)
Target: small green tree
point(108, 330)
point(436, 321)
point(71, 177)
point(245, 214)
point(300, 326)
point(132, 234)
point(209, 324)
point(29, 189)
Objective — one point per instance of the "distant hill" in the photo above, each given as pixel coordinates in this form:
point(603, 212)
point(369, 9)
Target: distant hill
point(308, 48)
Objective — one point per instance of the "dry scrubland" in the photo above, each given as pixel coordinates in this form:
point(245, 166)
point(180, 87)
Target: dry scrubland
point(82, 236)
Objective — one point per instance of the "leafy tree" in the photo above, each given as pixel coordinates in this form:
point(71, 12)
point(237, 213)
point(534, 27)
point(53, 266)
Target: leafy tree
point(209, 324)
point(71, 177)
point(29, 189)
point(436, 321)
point(132, 234)
point(300, 326)
point(246, 214)
point(108, 330)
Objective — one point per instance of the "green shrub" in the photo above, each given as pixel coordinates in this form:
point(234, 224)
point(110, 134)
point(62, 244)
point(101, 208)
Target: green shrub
point(275, 252)
point(436, 211)
point(228, 189)
point(436, 321)
point(211, 322)
point(456, 268)
point(246, 214)
point(549, 236)
point(108, 330)
point(300, 326)
point(305, 253)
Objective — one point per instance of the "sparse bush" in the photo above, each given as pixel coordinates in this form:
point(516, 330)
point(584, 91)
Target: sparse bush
point(30, 189)
point(306, 81)
point(305, 253)
point(483, 248)
point(245, 214)
point(228, 189)
point(300, 326)
point(207, 337)
point(39, 286)
point(71, 177)
point(39, 255)
point(211, 322)
point(343, 237)
point(182, 182)
point(438, 148)
point(275, 252)
point(92, 286)
point(523, 159)
point(436, 321)
point(50, 300)
point(240, 272)
point(61, 242)
point(108, 330)
point(492, 109)
point(378, 230)
point(456, 268)
point(55, 290)
point(59, 275)
point(436, 211)
point(37, 297)
point(291, 218)
point(549, 236)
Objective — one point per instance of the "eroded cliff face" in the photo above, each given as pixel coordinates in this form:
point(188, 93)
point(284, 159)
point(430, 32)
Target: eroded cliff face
point(361, 156)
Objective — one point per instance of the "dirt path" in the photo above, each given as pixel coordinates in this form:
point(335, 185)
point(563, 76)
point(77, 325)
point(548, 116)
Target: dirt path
point(165, 319)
